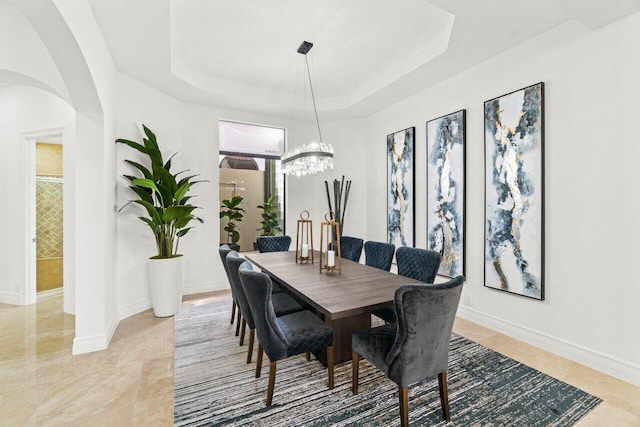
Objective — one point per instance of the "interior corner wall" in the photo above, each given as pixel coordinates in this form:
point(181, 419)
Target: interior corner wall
point(592, 105)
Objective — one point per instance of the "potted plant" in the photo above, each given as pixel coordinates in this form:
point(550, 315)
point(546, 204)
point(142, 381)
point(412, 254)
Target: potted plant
point(234, 213)
point(164, 196)
point(269, 218)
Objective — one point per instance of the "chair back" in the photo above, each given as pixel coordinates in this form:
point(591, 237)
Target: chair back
point(425, 320)
point(379, 255)
point(418, 264)
point(257, 287)
point(351, 248)
point(223, 251)
point(273, 243)
point(234, 261)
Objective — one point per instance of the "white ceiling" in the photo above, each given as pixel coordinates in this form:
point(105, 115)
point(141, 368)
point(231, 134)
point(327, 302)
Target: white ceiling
point(367, 54)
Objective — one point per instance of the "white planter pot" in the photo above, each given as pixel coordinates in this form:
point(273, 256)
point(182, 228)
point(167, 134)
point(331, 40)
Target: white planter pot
point(165, 285)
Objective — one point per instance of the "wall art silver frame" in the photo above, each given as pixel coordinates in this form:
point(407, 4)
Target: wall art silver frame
point(446, 183)
point(514, 192)
point(401, 187)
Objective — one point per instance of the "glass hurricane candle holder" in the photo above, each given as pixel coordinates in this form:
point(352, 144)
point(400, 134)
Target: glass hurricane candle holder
point(330, 255)
point(304, 238)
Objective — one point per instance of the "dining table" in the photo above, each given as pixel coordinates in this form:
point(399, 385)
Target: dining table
point(344, 299)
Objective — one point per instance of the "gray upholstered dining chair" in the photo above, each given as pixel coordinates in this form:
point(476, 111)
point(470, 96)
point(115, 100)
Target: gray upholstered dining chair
point(351, 248)
point(418, 346)
point(282, 303)
point(380, 255)
point(224, 250)
point(273, 243)
point(418, 264)
point(284, 336)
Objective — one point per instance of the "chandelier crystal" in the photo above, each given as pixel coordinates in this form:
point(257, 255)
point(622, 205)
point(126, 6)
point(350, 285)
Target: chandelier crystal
point(308, 159)
point(315, 157)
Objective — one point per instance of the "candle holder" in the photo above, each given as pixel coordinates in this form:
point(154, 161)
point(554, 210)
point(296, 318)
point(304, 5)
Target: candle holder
point(330, 255)
point(304, 239)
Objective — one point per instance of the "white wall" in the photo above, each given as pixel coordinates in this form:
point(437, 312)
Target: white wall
point(308, 192)
point(592, 308)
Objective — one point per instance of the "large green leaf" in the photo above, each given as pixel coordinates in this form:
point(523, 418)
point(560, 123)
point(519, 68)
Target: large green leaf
point(166, 194)
point(184, 231)
point(143, 193)
point(145, 172)
point(174, 212)
point(167, 179)
point(151, 210)
point(150, 135)
point(181, 192)
point(183, 221)
point(146, 183)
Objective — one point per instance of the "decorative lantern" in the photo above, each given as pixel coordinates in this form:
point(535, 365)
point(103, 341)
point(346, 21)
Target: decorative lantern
point(304, 238)
point(330, 255)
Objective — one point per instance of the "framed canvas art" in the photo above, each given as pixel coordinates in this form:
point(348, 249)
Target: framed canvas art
point(400, 183)
point(446, 138)
point(514, 192)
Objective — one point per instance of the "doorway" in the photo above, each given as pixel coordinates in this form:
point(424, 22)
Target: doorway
point(49, 217)
point(46, 264)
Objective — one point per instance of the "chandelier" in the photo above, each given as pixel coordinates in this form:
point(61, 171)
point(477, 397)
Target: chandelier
point(308, 159)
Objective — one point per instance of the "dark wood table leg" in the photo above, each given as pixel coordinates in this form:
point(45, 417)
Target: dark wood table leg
point(344, 329)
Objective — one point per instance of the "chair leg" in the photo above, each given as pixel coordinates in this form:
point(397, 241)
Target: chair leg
point(330, 365)
point(238, 322)
point(403, 394)
point(308, 355)
point(259, 363)
point(233, 311)
point(355, 367)
point(252, 335)
point(272, 382)
point(242, 331)
point(444, 395)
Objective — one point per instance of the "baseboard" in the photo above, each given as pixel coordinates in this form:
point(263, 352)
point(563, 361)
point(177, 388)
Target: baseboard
point(611, 365)
point(48, 292)
point(95, 342)
point(69, 308)
point(133, 309)
point(11, 298)
point(199, 288)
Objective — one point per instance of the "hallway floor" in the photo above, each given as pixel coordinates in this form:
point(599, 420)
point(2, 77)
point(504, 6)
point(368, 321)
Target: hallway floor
point(131, 383)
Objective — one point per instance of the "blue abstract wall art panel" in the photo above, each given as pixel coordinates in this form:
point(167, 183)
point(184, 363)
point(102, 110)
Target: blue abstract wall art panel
point(400, 181)
point(446, 191)
point(514, 197)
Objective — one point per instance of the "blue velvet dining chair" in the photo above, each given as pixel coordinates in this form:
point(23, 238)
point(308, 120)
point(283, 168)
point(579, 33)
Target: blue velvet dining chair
point(380, 255)
point(224, 250)
point(418, 264)
point(351, 248)
point(282, 303)
point(284, 336)
point(417, 347)
point(273, 243)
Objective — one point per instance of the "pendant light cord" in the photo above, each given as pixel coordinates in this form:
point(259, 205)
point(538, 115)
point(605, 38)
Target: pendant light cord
point(306, 60)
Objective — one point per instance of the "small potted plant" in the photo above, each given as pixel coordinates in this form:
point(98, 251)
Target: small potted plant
point(164, 197)
point(231, 210)
point(269, 218)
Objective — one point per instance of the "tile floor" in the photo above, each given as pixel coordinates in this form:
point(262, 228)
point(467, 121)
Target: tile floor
point(131, 383)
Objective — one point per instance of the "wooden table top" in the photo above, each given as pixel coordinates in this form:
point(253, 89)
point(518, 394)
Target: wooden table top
point(358, 289)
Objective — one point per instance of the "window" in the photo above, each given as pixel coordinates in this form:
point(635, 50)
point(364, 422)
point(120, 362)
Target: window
point(250, 167)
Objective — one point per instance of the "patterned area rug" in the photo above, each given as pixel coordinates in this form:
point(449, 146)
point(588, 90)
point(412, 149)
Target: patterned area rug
point(214, 386)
